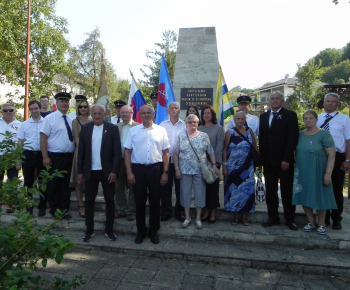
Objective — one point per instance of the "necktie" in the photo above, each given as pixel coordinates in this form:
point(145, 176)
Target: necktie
point(118, 120)
point(326, 127)
point(69, 131)
point(274, 117)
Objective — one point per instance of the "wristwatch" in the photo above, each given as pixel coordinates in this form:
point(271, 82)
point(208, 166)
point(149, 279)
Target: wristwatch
point(166, 171)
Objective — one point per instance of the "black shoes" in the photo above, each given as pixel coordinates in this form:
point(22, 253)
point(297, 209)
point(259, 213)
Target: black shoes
point(271, 222)
point(165, 218)
point(336, 225)
point(139, 238)
point(292, 226)
point(42, 212)
point(67, 216)
point(180, 218)
point(154, 238)
point(111, 236)
point(88, 236)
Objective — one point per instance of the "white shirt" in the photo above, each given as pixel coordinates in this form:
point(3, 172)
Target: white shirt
point(96, 141)
point(147, 144)
point(30, 131)
point(339, 128)
point(173, 131)
point(114, 120)
point(12, 127)
point(55, 128)
point(3, 129)
point(252, 121)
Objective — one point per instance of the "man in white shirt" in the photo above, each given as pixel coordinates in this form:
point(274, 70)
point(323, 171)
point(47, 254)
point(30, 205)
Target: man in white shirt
point(32, 164)
point(173, 126)
point(117, 106)
point(98, 161)
point(251, 121)
point(338, 125)
point(124, 193)
point(147, 161)
point(57, 147)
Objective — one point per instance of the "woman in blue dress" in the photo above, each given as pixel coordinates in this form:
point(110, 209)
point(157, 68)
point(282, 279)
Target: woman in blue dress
point(238, 169)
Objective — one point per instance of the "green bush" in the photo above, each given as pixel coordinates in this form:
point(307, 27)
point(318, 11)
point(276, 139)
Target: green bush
point(24, 245)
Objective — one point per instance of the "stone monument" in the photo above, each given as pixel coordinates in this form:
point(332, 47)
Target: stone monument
point(196, 68)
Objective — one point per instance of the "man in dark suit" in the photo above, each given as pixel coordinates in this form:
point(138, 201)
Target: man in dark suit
point(98, 161)
point(278, 138)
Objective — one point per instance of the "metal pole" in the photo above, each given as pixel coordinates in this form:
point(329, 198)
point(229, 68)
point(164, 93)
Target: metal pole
point(26, 98)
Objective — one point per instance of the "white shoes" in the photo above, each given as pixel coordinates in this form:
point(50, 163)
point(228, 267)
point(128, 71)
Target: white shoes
point(186, 223)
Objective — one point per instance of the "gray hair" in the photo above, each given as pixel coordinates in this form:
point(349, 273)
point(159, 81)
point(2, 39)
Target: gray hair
point(240, 112)
point(332, 95)
point(174, 103)
point(99, 106)
point(8, 105)
point(277, 93)
point(147, 106)
point(190, 117)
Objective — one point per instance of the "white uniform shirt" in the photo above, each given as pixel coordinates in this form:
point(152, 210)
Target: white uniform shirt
point(147, 144)
point(30, 131)
point(339, 128)
point(114, 120)
point(12, 127)
point(252, 121)
point(173, 132)
point(96, 141)
point(55, 128)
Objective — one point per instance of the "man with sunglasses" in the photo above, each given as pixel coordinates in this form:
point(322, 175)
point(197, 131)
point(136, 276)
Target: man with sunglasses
point(57, 147)
point(12, 125)
point(44, 102)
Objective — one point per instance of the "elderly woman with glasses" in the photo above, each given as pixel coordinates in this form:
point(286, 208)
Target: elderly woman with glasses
point(83, 113)
point(187, 167)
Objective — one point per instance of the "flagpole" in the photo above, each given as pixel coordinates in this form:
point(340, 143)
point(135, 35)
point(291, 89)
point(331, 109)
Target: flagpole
point(26, 98)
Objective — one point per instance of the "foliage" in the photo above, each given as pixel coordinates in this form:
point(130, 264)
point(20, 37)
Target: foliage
point(23, 245)
point(47, 45)
point(329, 57)
point(167, 49)
point(338, 73)
point(308, 76)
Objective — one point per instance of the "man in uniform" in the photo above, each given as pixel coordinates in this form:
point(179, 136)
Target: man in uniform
point(147, 161)
point(338, 125)
point(125, 202)
point(251, 121)
point(57, 147)
point(117, 106)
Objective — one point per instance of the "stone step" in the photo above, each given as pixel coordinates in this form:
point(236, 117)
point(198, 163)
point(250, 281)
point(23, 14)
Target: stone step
point(270, 256)
point(221, 231)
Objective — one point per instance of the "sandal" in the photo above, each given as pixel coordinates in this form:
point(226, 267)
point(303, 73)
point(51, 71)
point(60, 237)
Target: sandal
point(234, 222)
point(245, 222)
point(79, 207)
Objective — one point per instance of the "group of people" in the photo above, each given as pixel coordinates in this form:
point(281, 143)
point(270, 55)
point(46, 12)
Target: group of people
point(135, 162)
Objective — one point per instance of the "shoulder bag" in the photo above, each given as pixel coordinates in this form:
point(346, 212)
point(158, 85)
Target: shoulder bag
point(256, 156)
point(207, 171)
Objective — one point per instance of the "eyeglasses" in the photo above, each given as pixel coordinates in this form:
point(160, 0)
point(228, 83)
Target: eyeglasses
point(192, 122)
point(44, 101)
point(8, 110)
point(80, 107)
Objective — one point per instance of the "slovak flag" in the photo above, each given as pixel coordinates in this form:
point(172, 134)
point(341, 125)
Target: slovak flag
point(136, 100)
point(165, 93)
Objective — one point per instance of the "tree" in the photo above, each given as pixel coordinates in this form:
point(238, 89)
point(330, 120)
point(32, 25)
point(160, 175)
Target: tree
point(329, 56)
point(167, 49)
point(47, 46)
point(339, 73)
point(308, 76)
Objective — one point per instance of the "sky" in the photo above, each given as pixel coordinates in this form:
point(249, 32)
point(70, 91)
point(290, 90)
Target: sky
point(258, 41)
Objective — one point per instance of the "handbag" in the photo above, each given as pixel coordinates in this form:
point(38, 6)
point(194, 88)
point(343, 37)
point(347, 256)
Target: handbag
point(207, 171)
point(257, 160)
point(260, 191)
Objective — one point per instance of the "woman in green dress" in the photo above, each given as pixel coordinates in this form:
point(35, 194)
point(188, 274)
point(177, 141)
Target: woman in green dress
point(312, 188)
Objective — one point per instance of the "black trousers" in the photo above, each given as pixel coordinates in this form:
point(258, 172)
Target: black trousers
point(167, 192)
point(58, 192)
point(338, 177)
point(147, 177)
point(91, 190)
point(212, 200)
point(272, 175)
point(32, 166)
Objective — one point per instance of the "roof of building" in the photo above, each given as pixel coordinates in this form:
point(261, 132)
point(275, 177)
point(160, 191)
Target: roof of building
point(286, 81)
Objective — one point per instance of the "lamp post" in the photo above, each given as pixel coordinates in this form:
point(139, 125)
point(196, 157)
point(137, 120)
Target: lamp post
point(26, 98)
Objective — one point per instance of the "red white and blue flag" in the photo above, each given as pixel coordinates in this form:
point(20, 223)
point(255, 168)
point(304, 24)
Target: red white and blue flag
point(136, 100)
point(165, 93)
